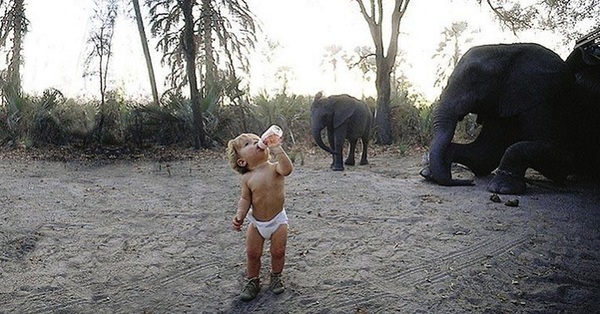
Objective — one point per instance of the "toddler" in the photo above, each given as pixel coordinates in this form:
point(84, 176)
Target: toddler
point(262, 199)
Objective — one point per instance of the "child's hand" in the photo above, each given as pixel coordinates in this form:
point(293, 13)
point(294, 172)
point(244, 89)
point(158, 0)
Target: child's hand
point(276, 147)
point(277, 142)
point(237, 224)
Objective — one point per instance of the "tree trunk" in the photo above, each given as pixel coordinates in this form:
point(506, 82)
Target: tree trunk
point(207, 20)
point(383, 115)
point(14, 72)
point(189, 48)
point(385, 62)
point(144, 40)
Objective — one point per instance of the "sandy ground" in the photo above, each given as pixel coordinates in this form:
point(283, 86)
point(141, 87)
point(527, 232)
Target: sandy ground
point(147, 237)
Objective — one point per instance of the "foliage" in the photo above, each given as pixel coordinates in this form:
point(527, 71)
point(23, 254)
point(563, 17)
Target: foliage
point(224, 33)
point(79, 121)
point(411, 119)
point(569, 17)
point(47, 126)
point(168, 123)
point(112, 119)
point(362, 60)
point(210, 38)
point(227, 37)
point(13, 106)
point(290, 112)
point(333, 55)
point(100, 42)
point(467, 129)
point(449, 50)
point(13, 27)
point(35, 120)
point(50, 119)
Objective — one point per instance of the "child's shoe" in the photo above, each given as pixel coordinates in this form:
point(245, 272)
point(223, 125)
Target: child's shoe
point(251, 289)
point(276, 284)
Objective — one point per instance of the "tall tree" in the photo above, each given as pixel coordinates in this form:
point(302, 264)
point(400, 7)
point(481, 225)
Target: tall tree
point(333, 54)
point(189, 51)
point(362, 59)
point(222, 32)
point(13, 26)
point(144, 41)
point(384, 60)
point(283, 75)
point(450, 49)
point(100, 41)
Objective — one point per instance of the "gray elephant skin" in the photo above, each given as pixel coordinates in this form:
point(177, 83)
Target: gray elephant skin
point(536, 111)
point(344, 117)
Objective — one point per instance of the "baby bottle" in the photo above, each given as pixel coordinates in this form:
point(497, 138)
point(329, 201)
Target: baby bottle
point(270, 136)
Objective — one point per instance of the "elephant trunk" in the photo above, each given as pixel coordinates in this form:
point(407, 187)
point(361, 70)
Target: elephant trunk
point(441, 151)
point(316, 133)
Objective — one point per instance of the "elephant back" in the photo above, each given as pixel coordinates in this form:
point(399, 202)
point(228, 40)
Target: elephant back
point(348, 106)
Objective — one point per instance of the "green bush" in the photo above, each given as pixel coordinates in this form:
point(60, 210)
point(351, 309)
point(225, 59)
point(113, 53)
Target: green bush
point(50, 119)
point(168, 123)
point(290, 112)
point(411, 119)
point(46, 126)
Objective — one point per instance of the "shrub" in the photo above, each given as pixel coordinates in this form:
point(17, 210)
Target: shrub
point(167, 123)
point(50, 119)
point(411, 119)
point(290, 112)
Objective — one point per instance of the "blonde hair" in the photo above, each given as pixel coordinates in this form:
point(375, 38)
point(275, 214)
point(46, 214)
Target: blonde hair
point(232, 147)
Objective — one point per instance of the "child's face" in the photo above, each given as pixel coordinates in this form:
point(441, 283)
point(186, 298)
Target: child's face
point(249, 154)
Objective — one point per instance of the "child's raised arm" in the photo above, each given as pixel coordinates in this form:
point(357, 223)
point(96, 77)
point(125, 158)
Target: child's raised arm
point(284, 165)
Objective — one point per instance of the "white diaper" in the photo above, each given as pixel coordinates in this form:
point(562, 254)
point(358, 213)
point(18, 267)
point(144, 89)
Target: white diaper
point(267, 228)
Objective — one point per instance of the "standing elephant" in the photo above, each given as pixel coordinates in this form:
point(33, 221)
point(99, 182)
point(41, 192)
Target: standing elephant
point(345, 117)
point(536, 111)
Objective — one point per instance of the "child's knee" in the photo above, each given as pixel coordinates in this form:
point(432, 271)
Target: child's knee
point(278, 252)
point(253, 253)
point(278, 249)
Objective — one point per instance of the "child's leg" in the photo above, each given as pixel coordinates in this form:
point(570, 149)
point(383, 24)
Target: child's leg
point(278, 245)
point(254, 248)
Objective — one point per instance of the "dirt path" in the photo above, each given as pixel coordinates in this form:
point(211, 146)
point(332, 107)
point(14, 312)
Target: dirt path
point(144, 237)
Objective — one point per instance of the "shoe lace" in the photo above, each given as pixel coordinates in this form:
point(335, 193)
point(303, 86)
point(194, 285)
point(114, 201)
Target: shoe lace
point(251, 285)
point(276, 281)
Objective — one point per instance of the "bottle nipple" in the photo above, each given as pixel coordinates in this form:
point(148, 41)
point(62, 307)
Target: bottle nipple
point(271, 135)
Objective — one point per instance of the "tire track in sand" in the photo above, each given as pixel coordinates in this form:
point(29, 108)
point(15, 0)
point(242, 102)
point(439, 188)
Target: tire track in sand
point(121, 295)
point(388, 289)
point(457, 260)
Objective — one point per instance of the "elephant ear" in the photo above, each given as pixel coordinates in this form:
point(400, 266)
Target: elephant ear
point(343, 110)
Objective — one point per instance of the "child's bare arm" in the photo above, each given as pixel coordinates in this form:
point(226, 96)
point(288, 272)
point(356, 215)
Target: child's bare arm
point(284, 164)
point(243, 207)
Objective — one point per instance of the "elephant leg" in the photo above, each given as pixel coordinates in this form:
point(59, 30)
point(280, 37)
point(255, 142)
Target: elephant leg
point(330, 138)
point(483, 155)
point(351, 152)
point(339, 135)
point(480, 157)
point(542, 156)
point(363, 157)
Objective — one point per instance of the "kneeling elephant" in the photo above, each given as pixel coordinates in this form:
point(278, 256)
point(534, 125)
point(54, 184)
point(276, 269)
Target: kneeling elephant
point(536, 110)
